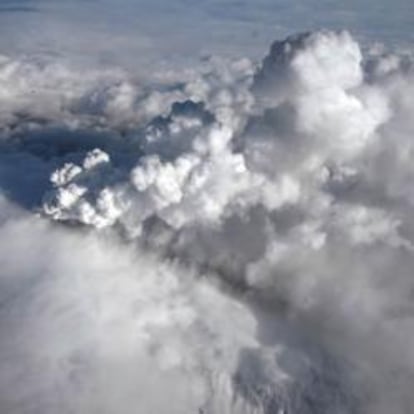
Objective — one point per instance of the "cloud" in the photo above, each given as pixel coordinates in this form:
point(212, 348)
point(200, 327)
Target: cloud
point(235, 237)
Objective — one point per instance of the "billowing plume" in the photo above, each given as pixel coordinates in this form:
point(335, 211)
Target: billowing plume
point(236, 238)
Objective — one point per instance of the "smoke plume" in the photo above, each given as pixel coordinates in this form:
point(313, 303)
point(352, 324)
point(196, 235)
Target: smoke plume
point(232, 238)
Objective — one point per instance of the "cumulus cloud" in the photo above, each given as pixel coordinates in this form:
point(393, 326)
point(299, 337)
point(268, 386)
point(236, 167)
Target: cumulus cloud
point(234, 238)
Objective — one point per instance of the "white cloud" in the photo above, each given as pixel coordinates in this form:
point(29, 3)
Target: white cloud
point(235, 237)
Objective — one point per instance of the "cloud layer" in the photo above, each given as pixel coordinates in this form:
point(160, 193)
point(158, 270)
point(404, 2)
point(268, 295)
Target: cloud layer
point(232, 238)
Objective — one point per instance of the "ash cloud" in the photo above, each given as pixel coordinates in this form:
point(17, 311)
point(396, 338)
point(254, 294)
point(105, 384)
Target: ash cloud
point(234, 238)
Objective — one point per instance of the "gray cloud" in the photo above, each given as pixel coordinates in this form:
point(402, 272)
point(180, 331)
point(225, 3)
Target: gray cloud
point(235, 237)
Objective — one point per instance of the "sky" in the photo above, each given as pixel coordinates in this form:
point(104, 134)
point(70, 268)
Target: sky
point(133, 32)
